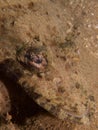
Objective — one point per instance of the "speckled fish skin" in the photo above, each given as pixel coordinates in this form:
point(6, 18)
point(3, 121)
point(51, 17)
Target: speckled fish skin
point(60, 88)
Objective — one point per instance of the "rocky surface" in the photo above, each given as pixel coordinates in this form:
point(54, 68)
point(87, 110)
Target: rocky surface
point(4, 101)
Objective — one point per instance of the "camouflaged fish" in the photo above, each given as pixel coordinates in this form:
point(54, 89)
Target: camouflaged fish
point(50, 75)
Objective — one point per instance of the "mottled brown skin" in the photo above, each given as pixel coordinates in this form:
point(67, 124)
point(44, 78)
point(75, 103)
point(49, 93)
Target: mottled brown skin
point(63, 95)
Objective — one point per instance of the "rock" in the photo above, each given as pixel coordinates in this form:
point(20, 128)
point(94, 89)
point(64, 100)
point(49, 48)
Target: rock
point(5, 105)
